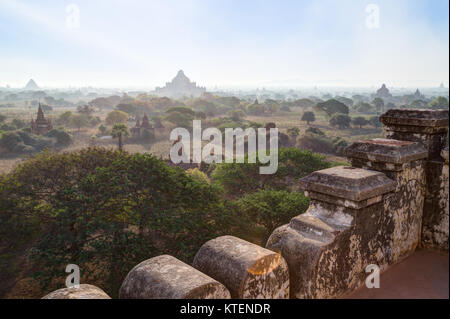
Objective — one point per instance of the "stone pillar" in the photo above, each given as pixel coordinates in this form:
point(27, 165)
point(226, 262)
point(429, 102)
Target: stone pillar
point(430, 128)
point(84, 291)
point(165, 277)
point(247, 270)
point(328, 248)
point(403, 162)
point(435, 227)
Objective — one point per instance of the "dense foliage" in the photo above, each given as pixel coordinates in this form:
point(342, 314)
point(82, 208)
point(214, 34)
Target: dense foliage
point(105, 211)
point(239, 178)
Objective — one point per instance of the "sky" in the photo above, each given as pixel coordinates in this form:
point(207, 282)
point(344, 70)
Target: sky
point(245, 43)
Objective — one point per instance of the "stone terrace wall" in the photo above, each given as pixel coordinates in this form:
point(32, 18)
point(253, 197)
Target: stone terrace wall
point(392, 199)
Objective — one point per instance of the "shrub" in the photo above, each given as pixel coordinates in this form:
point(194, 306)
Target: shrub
point(62, 137)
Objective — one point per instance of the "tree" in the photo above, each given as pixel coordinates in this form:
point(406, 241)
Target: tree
point(331, 107)
point(62, 137)
point(116, 117)
point(271, 106)
point(375, 121)
point(342, 121)
point(85, 109)
point(364, 107)
point(64, 118)
point(2, 118)
point(105, 211)
point(378, 103)
point(345, 100)
point(240, 178)
point(271, 208)
point(359, 121)
point(439, 103)
point(102, 129)
point(236, 115)
point(79, 121)
point(180, 119)
point(308, 117)
point(119, 131)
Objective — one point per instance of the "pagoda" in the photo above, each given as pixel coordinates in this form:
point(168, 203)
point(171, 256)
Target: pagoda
point(180, 86)
point(137, 130)
point(383, 92)
point(41, 125)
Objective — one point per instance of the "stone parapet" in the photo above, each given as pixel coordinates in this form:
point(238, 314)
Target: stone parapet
point(430, 128)
point(328, 247)
point(165, 277)
point(247, 270)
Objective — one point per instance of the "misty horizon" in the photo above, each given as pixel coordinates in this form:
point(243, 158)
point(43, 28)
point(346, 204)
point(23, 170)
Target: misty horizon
point(286, 44)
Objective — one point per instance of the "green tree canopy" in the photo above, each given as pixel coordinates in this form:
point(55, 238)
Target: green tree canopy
point(332, 106)
point(341, 121)
point(439, 103)
point(116, 117)
point(308, 117)
point(359, 121)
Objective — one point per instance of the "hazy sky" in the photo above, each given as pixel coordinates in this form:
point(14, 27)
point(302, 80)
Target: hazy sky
point(225, 43)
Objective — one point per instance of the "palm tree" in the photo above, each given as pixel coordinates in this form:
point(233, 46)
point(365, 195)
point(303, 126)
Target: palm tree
point(119, 131)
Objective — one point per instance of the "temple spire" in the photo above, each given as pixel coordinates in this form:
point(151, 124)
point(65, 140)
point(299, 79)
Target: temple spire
point(40, 115)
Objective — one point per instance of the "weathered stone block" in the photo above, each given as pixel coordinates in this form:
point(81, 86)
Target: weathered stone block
point(247, 270)
point(346, 182)
point(429, 127)
point(84, 291)
point(381, 150)
point(165, 277)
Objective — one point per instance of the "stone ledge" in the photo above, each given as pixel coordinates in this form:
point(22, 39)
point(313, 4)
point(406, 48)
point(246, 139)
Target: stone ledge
point(342, 201)
point(165, 277)
point(435, 119)
point(346, 182)
point(84, 291)
point(386, 151)
point(247, 270)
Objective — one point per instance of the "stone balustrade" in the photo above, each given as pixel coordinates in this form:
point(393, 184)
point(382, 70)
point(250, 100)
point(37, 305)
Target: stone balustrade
point(394, 198)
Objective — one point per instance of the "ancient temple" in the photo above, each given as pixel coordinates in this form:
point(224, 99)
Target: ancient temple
point(137, 130)
point(41, 125)
point(418, 95)
point(383, 92)
point(180, 86)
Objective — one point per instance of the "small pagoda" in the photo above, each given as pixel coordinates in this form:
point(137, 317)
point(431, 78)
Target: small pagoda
point(140, 126)
point(41, 125)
